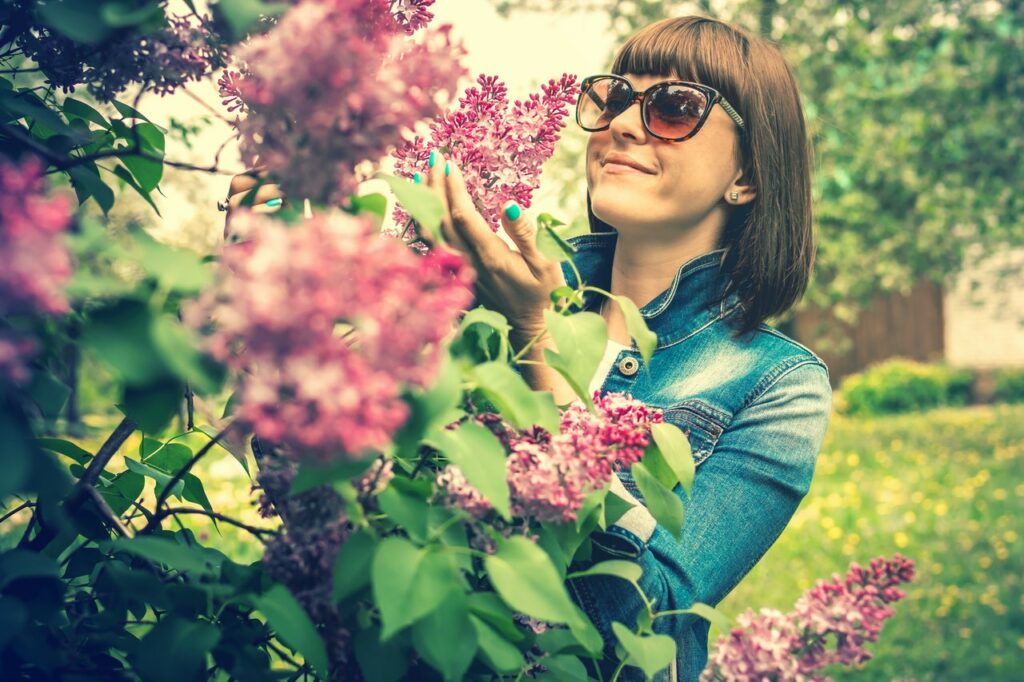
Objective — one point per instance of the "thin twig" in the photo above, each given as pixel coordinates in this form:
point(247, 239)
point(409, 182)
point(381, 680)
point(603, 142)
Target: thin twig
point(109, 448)
point(174, 511)
point(154, 522)
point(14, 511)
point(107, 512)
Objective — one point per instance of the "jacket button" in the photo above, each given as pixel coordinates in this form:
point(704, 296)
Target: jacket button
point(629, 366)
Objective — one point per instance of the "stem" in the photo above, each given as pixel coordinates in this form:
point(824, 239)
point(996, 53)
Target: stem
point(175, 511)
point(618, 671)
point(14, 511)
point(107, 451)
point(155, 521)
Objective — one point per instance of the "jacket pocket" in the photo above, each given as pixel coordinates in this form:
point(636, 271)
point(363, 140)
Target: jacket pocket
point(701, 423)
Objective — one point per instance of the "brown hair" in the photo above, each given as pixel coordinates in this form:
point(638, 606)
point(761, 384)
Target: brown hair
point(769, 241)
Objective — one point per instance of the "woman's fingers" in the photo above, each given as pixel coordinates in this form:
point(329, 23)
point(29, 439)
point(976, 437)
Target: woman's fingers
point(487, 247)
point(524, 235)
point(434, 178)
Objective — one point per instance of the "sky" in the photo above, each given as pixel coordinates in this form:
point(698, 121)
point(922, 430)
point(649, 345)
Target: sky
point(524, 50)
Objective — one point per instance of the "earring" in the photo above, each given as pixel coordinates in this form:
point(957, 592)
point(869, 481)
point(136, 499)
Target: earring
point(734, 195)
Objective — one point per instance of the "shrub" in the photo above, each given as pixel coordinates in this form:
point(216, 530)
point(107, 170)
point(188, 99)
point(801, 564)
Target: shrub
point(903, 385)
point(1009, 385)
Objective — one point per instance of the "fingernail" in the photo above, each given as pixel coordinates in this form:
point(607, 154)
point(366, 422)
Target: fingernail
point(433, 159)
point(416, 177)
point(274, 202)
point(447, 168)
point(512, 211)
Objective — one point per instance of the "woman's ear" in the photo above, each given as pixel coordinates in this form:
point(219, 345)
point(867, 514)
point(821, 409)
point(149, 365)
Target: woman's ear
point(741, 191)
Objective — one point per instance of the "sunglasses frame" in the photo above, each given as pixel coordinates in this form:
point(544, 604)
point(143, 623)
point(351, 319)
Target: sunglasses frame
point(713, 96)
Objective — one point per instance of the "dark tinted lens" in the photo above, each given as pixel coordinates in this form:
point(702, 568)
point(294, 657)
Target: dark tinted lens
point(674, 110)
point(604, 99)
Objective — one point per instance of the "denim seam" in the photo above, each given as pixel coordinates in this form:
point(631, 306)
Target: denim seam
point(775, 374)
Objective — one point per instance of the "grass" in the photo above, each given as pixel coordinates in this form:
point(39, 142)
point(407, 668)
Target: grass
point(943, 487)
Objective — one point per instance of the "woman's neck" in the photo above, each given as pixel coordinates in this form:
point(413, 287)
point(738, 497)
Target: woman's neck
point(642, 268)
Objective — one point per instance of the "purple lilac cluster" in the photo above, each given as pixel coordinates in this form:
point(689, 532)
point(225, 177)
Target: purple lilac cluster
point(830, 624)
point(182, 50)
point(276, 313)
point(36, 262)
point(333, 84)
point(500, 150)
point(550, 475)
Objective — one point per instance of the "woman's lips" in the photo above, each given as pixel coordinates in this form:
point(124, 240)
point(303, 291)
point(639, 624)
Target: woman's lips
point(622, 169)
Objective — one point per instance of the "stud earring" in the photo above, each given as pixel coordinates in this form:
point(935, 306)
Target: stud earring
point(734, 196)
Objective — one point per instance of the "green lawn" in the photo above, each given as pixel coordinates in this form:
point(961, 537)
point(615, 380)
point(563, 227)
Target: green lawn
point(943, 487)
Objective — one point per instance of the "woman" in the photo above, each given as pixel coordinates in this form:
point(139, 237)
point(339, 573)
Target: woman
point(699, 206)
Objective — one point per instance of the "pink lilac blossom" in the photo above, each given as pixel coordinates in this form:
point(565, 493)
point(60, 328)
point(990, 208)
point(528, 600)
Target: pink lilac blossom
point(845, 614)
point(500, 151)
point(550, 475)
point(36, 263)
point(281, 301)
point(333, 84)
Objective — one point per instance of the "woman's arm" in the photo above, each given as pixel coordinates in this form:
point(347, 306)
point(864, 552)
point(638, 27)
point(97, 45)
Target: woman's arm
point(743, 496)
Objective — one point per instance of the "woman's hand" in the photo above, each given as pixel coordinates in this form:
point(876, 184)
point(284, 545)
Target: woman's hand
point(517, 284)
point(267, 199)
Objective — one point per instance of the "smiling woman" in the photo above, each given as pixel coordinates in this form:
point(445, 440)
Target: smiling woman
point(699, 206)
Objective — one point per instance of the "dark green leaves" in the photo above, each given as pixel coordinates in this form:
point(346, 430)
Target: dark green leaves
point(291, 623)
point(175, 649)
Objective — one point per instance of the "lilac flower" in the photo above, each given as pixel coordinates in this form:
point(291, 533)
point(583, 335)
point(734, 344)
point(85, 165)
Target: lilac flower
point(550, 475)
point(279, 311)
point(36, 263)
point(333, 84)
point(500, 151)
point(847, 613)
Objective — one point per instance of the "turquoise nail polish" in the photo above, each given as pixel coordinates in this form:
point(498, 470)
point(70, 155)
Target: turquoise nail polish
point(512, 211)
point(433, 159)
point(274, 202)
point(417, 178)
point(447, 168)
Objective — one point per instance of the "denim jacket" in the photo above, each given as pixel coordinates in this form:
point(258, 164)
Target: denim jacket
point(755, 410)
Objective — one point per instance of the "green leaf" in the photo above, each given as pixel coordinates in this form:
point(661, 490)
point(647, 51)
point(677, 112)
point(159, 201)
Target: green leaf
point(651, 653)
point(406, 511)
point(16, 564)
point(375, 204)
point(419, 202)
point(710, 614)
point(128, 111)
point(481, 457)
point(85, 178)
point(152, 406)
point(393, 570)
point(124, 489)
point(498, 653)
point(352, 565)
point(614, 508)
point(179, 269)
point(313, 475)
point(243, 16)
point(177, 346)
point(550, 243)
point(646, 340)
point(120, 15)
point(176, 555)
point(432, 408)
point(76, 19)
point(515, 400)
point(663, 504)
point(447, 638)
point(527, 580)
point(380, 661)
point(565, 667)
point(120, 335)
point(292, 624)
point(161, 478)
point(175, 649)
point(74, 108)
point(674, 448)
point(129, 179)
point(581, 341)
point(48, 392)
point(66, 448)
point(627, 570)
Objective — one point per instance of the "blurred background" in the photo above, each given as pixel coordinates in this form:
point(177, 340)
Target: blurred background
point(916, 303)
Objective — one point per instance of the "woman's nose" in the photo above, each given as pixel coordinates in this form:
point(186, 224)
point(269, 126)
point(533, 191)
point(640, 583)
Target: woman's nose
point(629, 123)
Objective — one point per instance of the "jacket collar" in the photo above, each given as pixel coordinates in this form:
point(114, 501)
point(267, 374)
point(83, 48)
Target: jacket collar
point(691, 302)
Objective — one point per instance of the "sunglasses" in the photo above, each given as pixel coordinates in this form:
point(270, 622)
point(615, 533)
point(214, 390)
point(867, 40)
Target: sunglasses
point(670, 110)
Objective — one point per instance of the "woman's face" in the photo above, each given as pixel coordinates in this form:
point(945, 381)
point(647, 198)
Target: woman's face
point(686, 183)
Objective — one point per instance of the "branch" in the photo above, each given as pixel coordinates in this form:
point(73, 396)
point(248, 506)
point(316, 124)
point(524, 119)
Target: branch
point(14, 511)
point(154, 522)
point(107, 451)
point(174, 511)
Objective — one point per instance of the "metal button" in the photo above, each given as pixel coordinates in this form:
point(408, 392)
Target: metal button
point(629, 366)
